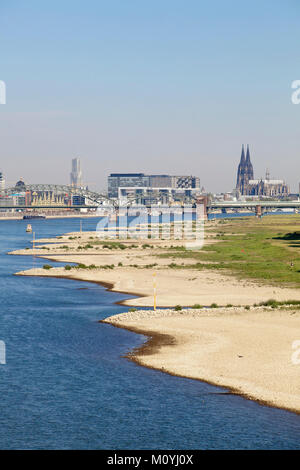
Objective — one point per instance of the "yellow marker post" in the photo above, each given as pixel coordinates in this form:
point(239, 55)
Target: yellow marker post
point(154, 291)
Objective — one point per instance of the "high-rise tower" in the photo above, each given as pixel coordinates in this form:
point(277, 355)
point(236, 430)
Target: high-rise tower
point(2, 181)
point(76, 173)
point(245, 171)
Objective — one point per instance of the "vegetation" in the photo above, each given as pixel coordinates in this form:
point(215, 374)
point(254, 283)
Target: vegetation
point(265, 249)
point(47, 266)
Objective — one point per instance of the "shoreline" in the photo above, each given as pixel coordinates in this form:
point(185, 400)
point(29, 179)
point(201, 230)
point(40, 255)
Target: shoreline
point(109, 286)
point(246, 350)
point(151, 355)
point(155, 341)
point(73, 216)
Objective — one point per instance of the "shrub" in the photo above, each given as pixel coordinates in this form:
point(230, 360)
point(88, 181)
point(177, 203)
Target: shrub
point(132, 309)
point(68, 267)
point(214, 305)
point(177, 308)
point(270, 303)
point(81, 266)
point(120, 264)
point(197, 306)
point(47, 266)
point(247, 307)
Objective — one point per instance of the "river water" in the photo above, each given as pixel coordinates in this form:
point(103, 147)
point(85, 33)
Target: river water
point(65, 384)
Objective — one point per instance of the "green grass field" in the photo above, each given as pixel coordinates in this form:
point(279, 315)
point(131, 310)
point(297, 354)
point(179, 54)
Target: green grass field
point(266, 249)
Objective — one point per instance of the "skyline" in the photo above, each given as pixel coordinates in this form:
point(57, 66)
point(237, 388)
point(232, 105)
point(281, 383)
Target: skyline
point(76, 173)
point(149, 88)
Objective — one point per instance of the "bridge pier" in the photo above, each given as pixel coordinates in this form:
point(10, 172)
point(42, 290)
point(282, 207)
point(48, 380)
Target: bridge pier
point(258, 211)
point(204, 201)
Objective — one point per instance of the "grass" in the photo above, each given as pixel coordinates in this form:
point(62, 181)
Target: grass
point(250, 248)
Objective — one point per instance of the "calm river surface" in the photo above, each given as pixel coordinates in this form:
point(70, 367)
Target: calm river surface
point(65, 384)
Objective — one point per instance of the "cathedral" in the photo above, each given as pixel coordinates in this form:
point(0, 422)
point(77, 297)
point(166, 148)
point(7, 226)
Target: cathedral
point(245, 172)
point(246, 185)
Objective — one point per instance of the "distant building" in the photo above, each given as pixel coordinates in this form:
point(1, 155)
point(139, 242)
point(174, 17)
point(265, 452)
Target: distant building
point(187, 182)
point(121, 180)
point(248, 186)
point(267, 187)
point(161, 181)
point(20, 185)
point(127, 180)
point(2, 181)
point(245, 172)
point(78, 200)
point(76, 173)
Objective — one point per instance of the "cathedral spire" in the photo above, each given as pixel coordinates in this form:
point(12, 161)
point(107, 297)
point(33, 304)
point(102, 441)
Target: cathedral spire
point(243, 155)
point(249, 167)
point(248, 155)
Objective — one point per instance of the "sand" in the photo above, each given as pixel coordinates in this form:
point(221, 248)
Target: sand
point(249, 352)
point(185, 287)
point(174, 287)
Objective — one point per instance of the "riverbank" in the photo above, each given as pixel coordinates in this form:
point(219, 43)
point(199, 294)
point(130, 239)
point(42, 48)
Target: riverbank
point(241, 263)
point(58, 216)
point(248, 352)
point(239, 345)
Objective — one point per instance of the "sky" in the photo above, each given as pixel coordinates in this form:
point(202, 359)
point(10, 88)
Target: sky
point(153, 86)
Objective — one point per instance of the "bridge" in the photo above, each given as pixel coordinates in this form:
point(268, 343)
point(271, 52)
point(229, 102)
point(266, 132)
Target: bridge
point(253, 206)
point(53, 196)
point(49, 196)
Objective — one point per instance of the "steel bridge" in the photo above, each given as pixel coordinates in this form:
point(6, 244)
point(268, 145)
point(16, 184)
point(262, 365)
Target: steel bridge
point(259, 207)
point(253, 204)
point(94, 200)
point(94, 197)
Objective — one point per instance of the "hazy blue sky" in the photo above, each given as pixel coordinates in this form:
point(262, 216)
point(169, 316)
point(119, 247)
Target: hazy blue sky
point(160, 86)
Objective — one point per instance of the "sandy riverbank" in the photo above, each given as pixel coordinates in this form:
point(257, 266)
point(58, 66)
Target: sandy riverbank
point(134, 268)
point(174, 287)
point(249, 352)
